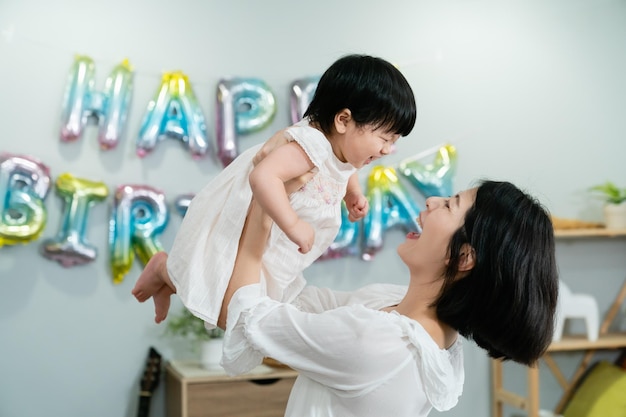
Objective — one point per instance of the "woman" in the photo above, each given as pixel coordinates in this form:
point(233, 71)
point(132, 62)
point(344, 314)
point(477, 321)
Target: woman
point(483, 267)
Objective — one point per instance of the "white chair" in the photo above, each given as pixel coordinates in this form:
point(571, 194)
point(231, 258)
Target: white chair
point(576, 306)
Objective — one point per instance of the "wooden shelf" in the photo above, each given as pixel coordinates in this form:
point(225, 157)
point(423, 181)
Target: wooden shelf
point(605, 341)
point(193, 371)
point(579, 233)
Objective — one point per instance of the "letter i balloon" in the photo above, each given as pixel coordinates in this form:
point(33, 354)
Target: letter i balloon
point(24, 184)
point(139, 216)
point(70, 246)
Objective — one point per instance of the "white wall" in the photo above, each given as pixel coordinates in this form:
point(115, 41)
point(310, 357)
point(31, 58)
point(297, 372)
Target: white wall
point(529, 91)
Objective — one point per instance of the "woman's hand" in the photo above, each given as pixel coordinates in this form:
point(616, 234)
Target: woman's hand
point(279, 139)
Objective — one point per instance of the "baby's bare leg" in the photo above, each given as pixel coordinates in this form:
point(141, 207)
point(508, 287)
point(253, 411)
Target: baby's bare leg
point(153, 277)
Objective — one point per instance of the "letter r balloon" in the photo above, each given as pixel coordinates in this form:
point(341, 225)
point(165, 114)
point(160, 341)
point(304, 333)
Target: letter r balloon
point(139, 216)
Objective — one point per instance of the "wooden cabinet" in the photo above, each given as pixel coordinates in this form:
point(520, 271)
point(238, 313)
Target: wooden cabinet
point(606, 340)
point(192, 391)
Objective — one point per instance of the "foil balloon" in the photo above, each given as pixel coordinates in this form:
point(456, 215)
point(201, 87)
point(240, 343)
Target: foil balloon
point(181, 203)
point(139, 216)
point(244, 105)
point(70, 247)
point(117, 93)
point(83, 104)
point(390, 206)
point(174, 113)
point(432, 171)
point(346, 243)
point(24, 184)
point(302, 91)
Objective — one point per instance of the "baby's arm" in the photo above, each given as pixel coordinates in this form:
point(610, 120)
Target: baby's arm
point(355, 200)
point(267, 182)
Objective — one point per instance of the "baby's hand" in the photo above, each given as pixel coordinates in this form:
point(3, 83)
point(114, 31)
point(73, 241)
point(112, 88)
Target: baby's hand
point(302, 234)
point(357, 206)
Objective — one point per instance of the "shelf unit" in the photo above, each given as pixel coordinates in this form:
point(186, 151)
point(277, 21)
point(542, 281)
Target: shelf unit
point(606, 340)
point(192, 391)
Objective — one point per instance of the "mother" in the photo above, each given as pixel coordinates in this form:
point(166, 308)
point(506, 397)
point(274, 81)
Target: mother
point(483, 267)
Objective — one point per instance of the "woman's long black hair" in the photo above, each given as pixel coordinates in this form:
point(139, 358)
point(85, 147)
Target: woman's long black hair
point(507, 302)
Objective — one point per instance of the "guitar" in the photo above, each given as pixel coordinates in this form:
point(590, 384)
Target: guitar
point(149, 381)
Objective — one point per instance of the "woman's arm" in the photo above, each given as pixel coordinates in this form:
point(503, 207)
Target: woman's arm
point(247, 268)
point(327, 347)
point(252, 242)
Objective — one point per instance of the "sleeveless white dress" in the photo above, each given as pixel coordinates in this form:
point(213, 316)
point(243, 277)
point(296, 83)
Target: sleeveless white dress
point(201, 260)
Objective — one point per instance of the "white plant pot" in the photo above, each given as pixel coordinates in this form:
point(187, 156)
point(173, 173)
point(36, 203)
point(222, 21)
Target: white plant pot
point(211, 353)
point(615, 216)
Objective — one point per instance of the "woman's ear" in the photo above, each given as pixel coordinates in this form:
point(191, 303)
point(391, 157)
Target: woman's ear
point(467, 259)
point(342, 119)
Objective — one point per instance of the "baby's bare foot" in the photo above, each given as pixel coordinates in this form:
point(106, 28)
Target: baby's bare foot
point(151, 279)
point(162, 303)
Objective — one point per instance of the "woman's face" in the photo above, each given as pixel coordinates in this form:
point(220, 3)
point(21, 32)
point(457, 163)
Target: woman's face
point(442, 217)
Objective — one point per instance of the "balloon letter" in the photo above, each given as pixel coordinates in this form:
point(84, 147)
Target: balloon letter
point(302, 92)
point(139, 216)
point(69, 247)
point(181, 204)
point(346, 242)
point(174, 113)
point(390, 206)
point(244, 105)
point(109, 109)
point(433, 179)
point(24, 184)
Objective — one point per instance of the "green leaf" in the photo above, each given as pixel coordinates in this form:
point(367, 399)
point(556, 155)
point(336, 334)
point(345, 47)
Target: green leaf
point(188, 326)
point(610, 192)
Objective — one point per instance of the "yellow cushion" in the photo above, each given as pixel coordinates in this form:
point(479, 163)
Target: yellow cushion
point(602, 393)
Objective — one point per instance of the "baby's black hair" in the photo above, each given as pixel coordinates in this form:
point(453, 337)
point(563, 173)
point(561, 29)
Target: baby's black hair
point(375, 92)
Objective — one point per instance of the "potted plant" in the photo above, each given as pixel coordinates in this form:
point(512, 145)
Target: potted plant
point(186, 325)
point(615, 204)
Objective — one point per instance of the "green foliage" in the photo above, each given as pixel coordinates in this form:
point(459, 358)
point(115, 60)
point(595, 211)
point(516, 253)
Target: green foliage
point(611, 193)
point(188, 326)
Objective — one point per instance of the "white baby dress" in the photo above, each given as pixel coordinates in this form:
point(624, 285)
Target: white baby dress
point(201, 260)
